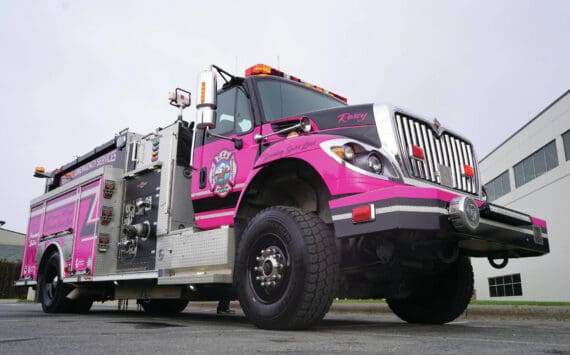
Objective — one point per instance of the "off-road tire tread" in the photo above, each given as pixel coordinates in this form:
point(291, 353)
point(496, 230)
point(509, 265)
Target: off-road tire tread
point(447, 302)
point(320, 278)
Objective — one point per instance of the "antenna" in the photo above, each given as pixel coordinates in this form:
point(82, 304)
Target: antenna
point(278, 63)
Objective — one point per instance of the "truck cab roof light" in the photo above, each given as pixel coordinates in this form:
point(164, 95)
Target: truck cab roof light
point(262, 69)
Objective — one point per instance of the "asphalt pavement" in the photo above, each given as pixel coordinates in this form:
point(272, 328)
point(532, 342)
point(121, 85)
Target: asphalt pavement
point(25, 329)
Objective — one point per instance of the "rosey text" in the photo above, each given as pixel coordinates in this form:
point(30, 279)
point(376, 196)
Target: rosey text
point(348, 117)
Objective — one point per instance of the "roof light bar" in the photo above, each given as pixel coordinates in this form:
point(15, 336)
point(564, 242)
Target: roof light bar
point(262, 70)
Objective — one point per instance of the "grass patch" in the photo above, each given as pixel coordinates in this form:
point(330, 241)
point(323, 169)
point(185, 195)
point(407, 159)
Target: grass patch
point(474, 302)
point(24, 300)
point(348, 300)
point(520, 303)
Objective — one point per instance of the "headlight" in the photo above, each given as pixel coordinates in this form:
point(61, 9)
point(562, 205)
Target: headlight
point(374, 163)
point(348, 152)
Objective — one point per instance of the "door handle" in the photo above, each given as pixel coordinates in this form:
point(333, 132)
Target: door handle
point(202, 178)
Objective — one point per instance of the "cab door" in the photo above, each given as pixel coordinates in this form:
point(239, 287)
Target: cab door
point(221, 169)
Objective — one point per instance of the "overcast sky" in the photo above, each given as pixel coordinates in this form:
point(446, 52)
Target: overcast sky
point(73, 73)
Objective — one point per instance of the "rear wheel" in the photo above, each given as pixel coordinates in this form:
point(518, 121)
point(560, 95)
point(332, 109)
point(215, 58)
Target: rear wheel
point(163, 306)
point(53, 291)
point(286, 268)
point(440, 299)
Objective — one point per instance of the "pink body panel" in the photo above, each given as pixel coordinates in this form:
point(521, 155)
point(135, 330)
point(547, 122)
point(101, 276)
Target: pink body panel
point(84, 247)
point(216, 156)
point(29, 268)
point(75, 210)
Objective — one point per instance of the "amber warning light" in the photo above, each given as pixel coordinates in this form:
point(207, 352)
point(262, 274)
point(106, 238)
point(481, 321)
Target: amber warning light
point(40, 172)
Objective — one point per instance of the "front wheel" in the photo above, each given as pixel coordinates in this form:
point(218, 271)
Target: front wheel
point(286, 267)
point(439, 299)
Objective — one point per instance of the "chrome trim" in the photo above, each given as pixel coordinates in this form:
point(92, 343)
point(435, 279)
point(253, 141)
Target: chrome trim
point(447, 149)
point(327, 145)
point(25, 283)
point(397, 208)
point(509, 213)
point(114, 277)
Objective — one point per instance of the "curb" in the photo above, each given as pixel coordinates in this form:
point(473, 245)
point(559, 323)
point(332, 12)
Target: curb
point(507, 312)
point(473, 312)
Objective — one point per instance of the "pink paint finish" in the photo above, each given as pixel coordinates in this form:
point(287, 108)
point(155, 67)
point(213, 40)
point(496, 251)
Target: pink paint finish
point(86, 226)
point(215, 219)
point(29, 269)
point(539, 222)
point(398, 191)
point(60, 213)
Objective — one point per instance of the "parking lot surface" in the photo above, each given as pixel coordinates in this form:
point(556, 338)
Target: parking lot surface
point(25, 329)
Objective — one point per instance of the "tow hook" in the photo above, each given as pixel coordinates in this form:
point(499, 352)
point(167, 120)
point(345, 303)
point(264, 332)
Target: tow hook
point(498, 265)
point(464, 214)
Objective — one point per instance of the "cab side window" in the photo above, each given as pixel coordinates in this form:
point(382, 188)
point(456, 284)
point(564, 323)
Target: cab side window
point(225, 112)
point(244, 122)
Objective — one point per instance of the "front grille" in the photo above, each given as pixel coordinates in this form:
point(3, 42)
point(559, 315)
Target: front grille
point(445, 154)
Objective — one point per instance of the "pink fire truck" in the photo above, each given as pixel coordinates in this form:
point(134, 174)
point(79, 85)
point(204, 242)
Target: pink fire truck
point(279, 195)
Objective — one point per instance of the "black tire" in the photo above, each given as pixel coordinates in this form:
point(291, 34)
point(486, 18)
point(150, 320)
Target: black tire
point(163, 306)
point(301, 290)
point(439, 300)
point(81, 305)
point(53, 291)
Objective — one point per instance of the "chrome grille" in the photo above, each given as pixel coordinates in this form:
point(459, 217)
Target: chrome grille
point(445, 155)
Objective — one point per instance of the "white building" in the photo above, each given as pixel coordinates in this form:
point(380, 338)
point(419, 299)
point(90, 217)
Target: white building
point(11, 245)
point(530, 172)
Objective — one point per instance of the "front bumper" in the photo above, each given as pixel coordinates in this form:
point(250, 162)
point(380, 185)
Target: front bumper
point(499, 231)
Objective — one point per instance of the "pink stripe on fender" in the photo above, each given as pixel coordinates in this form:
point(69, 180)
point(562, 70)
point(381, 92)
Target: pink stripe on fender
point(539, 222)
point(401, 191)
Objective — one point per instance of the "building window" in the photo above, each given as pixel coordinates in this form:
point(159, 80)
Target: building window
point(498, 187)
point(566, 139)
point(536, 164)
point(504, 286)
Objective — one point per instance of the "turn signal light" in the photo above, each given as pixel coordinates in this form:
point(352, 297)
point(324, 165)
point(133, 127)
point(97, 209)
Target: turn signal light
point(418, 152)
point(363, 214)
point(468, 171)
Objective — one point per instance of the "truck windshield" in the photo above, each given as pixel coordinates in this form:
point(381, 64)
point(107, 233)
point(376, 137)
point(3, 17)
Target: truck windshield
point(280, 99)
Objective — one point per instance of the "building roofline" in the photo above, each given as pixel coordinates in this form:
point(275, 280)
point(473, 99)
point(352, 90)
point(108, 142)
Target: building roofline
point(529, 122)
point(9, 230)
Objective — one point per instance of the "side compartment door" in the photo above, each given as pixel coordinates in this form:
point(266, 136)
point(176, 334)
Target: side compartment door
point(221, 168)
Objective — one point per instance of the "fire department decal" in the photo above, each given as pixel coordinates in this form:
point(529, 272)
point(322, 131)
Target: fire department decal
point(223, 173)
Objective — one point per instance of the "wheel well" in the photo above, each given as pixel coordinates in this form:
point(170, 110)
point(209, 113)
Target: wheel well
point(287, 182)
point(45, 256)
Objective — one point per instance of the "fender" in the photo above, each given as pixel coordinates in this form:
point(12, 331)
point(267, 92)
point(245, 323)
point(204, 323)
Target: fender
point(296, 148)
point(338, 179)
point(40, 256)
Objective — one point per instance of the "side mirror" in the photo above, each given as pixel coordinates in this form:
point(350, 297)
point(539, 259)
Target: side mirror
point(206, 105)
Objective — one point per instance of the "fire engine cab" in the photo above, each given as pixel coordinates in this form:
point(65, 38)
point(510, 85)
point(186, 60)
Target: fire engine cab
point(279, 194)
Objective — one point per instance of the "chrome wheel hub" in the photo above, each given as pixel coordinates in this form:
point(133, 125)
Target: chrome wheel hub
point(269, 267)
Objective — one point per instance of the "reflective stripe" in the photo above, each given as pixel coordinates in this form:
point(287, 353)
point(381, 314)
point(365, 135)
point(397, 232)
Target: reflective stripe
point(397, 208)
